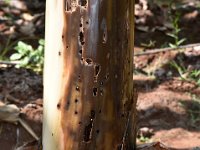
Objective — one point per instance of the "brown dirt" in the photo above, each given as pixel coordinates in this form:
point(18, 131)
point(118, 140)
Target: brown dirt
point(168, 107)
point(24, 89)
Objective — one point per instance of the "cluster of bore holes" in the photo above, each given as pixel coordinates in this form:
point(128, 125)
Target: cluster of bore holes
point(95, 91)
point(76, 102)
point(81, 39)
point(88, 128)
point(79, 78)
point(66, 106)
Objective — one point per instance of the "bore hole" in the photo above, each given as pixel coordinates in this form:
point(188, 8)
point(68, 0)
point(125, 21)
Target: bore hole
point(97, 131)
point(67, 46)
point(87, 132)
point(76, 100)
point(104, 37)
point(58, 105)
point(101, 92)
point(67, 105)
point(76, 112)
point(81, 25)
point(88, 128)
point(122, 115)
point(101, 83)
point(59, 53)
point(62, 36)
point(92, 114)
point(83, 2)
point(97, 69)
point(82, 62)
point(107, 76)
point(80, 122)
point(80, 52)
point(87, 22)
point(99, 110)
point(81, 38)
point(88, 61)
point(79, 78)
point(95, 90)
point(77, 88)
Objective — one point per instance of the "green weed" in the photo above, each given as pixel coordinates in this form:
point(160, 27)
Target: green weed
point(195, 75)
point(176, 31)
point(144, 139)
point(28, 57)
point(151, 44)
point(186, 74)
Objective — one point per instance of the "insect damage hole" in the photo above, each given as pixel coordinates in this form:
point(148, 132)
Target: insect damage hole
point(106, 77)
point(80, 52)
point(87, 22)
point(101, 92)
point(83, 2)
point(76, 100)
point(81, 38)
point(88, 61)
point(77, 89)
point(87, 132)
point(58, 106)
point(97, 131)
point(97, 69)
point(95, 91)
point(104, 37)
point(88, 128)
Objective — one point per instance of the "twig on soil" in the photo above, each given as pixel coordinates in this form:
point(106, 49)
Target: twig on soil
point(160, 50)
point(28, 128)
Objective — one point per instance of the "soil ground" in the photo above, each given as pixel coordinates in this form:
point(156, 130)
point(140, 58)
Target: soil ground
point(168, 106)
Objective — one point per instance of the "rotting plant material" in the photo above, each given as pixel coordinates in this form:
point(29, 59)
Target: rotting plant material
point(93, 102)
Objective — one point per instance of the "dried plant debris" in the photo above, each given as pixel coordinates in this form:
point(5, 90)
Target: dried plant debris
point(11, 113)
